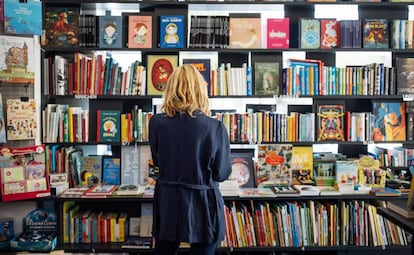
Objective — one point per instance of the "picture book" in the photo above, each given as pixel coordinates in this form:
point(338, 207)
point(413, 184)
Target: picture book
point(92, 166)
point(346, 172)
point(159, 68)
point(256, 192)
point(108, 126)
point(330, 33)
point(375, 33)
point(389, 121)
point(242, 169)
point(17, 61)
point(405, 75)
point(172, 31)
point(302, 165)
point(101, 189)
point(21, 119)
point(24, 18)
point(61, 26)
point(324, 172)
point(331, 124)
point(139, 31)
point(245, 30)
point(370, 173)
point(110, 31)
point(274, 165)
point(202, 65)
point(266, 78)
point(278, 33)
point(309, 33)
point(111, 170)
point(6, 231)
point(2, 123)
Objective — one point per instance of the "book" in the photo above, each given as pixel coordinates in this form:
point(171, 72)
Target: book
point(266, 78)
point(245, 30)
point(375, 33)
point(309, 33)
point(389, 121)
point(139, 31)
point(61, 26)
point(400, 206)
point(159, 69)
point(256, 192)
point(302, 165)
point(129, 190)
point(347, 172)
point(405, 75)
point(18, 60)
point(172, 31)
point(330, 33)
point(100, 189)
point(307, 190)
point(111, 170)
point(110, 31)
point(242, 169)
point(2, 123)
point(23, 18)
point(92, 165)
point(278, 33)
point(203, 66)
point(385, 192)
point(331, 122)
point(108, 126)
point(21, 119)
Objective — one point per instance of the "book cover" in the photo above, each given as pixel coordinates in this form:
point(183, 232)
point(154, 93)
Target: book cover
point(347, 172)
point(256, 192)
point(331, 124)
point(108, 125)
point(302, 165)
point(92, 165)
point(369, 172)
point(160, 68)
point(242, 169)
point(389, 121)
point(17, 62)
point(101, 189)
point(245, 31)
point(330, 33)
point(110, 31)
point(139, 31)
point(375, 34)
point(172, 31)
point(137, 242)
point(23, 17)
point(405, 75)
point(309, 33)
point(111, 171)
point(278, 33)
point(266, 78)
point(324, 172)
point(21, 119)
point(61, 26)
point(202, 65)
point(274, 165)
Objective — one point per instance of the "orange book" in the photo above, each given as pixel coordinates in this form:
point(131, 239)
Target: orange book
point(140, 31)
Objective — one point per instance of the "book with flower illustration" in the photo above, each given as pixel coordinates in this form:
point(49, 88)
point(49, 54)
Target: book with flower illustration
point(108, 126)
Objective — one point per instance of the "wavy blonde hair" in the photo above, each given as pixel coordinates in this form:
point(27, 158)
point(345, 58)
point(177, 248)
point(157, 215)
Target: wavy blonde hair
point(186, 91)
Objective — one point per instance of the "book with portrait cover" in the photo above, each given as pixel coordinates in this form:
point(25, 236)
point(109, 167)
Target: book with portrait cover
point(330, 33)
point(405, 75)
point(309, 33)
point(108, 126)
point(172, 31)
point(375, 34)
point(24, 18)
point(331, 122)
point(61, 26)
point(389, 121)
point(245, 30)
point(21, 119)
point(110, 31)
point(278, 33)
point(139, 31)
point(159, 68)
point(266, 78)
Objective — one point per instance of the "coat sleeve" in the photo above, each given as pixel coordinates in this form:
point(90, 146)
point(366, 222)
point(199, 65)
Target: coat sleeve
point(221, 168)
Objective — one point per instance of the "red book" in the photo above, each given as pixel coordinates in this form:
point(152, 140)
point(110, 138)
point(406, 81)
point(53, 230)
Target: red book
point(330, 33)
point(278, 33)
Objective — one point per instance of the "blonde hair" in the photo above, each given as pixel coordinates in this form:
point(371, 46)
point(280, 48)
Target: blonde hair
point(186, 91)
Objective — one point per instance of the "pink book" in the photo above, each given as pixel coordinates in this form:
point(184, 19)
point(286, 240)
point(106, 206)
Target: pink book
point(277, 33)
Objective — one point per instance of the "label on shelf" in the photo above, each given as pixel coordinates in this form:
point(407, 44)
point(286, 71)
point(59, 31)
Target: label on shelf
point(408, 97)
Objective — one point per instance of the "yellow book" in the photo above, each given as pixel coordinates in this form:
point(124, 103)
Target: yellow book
point(240, 221)
point(68, 209)
point(302, 164)
point(122, 223)
point(113, 218)
point(124, 128)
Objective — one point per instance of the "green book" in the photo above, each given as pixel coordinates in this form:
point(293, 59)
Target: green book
point(108, 126)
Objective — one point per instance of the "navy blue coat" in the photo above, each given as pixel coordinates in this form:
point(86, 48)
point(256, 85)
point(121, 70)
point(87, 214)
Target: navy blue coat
point(193, 155)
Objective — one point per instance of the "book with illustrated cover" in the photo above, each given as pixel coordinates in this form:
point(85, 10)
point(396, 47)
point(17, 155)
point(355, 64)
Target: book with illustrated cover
point(108, 126)
point(92, 165)
point(172, 31)
point(309, 33)
point(331, 122)
point(302, 165)
point(111, 171)
point(330, 33)
point(61, 26)
point(347, 172)
point(266, 78)
point(242, 169)
point(139, 31)
point(278, 33)
point(17, 61)
point(101, 189)
point(21, 119)
point(389, 121)
point(245, 30)
point(375, 34)
point(405, 75)
point(203, 66)
point(24, 18)
point(110, 31)
point(159, 69)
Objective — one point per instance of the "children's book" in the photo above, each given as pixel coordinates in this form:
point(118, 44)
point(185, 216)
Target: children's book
point(159, 68)
point(278, 33)
point(108, 126)
point(110, 31)
point(375, 33)
point(347, 172)
point(172, 31)
point(309, 33)
point(370, 173)
point(139, 31)
point(92, 165)
point(266, 78)
point(302, 165)
point(23, 17)
point(389, 122)
point(242, 169)
point(245, 30)
point(21, 119)
point(331, 124)
point(111, 171)
point(202, 65)
point(330, 33)
point(61, 26)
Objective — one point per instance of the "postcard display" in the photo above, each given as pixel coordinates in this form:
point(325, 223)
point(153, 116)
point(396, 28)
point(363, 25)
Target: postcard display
point(23, 173)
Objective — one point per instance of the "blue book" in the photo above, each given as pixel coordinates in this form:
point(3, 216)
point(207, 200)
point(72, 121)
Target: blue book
point(111, 171)
point(23, 17)
point(172, 31)
point(110, 31)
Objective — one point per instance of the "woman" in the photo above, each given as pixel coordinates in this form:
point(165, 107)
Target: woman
point(192, 153)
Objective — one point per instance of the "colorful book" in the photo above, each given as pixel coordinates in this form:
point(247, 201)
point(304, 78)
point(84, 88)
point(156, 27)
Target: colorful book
point(309, 33)
point(302, 165)
point(375, 34)
point(110, 31)
point(347, 172)
point(111, 171)
point(331, 122)
point(389, 121)
point(245, 30)
point(159, 69)
point(92, 165)
point(172, 30)
point(330, 33)
point(405, 75)
point(139, 31)
point(23, 17)
point(266, 78)
point(61, 26)
point(242, 169)
point(21, 119)
point(278, 33)
point(108, 126)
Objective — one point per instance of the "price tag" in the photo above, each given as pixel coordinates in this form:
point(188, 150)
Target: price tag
point(408, 97)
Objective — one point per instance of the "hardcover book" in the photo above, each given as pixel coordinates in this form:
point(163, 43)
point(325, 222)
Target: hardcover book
point(92, 165)
point(405, 75)
point(61, 26)
point(389, 121)
point(302, 165)
point(330, 33)
point(108, 126)
point(347, 172)
point(110, 31)
point(111, 171)
point(139, 31)
point(278, 33)
point(309, 33)
point(24, 18)
point(172, 30)
point(242, 169)
point(160, 68)
point(375, 33)
point(331, 123)
point(21, 119)
point(203, 66)
point(245, 30)
point(266, 78)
